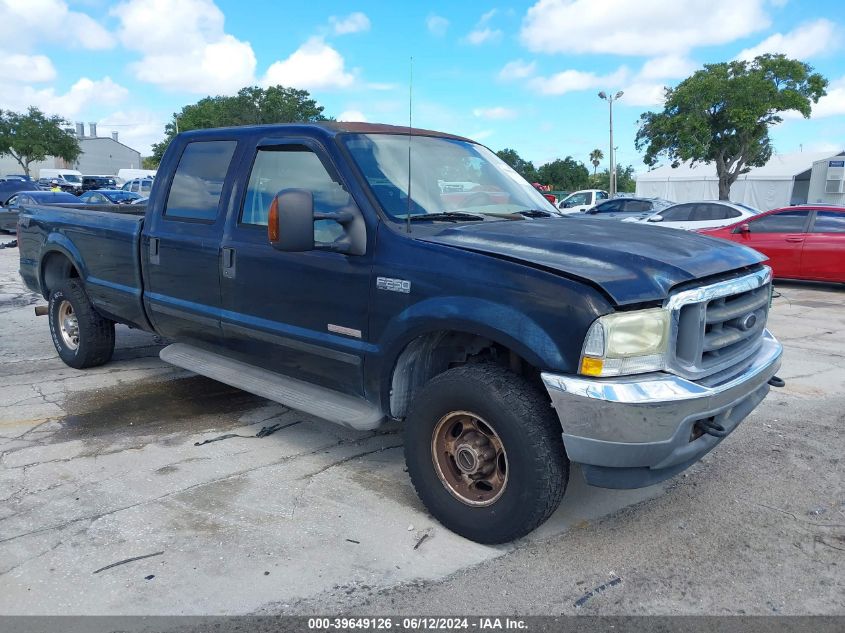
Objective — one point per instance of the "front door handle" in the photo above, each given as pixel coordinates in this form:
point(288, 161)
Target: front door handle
point(229, 263)
point(154, 251)
point(795, 238)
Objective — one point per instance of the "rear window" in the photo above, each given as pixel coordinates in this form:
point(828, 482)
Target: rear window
point(198, 182)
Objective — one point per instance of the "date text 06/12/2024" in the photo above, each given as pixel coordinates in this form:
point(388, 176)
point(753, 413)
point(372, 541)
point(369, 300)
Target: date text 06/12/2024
point(416, 624)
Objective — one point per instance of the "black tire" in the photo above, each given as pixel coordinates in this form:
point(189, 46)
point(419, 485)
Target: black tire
point(95, 334)
point(522, 417)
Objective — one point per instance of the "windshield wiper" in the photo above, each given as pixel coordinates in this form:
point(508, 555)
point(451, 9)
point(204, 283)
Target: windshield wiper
point(446, 216)
point(535, 213)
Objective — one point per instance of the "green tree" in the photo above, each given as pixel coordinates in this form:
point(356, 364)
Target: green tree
point(251, 106)
point(33, 136)
point(596, 157)
point(722, 114)
point(149, 162)
point(524, 168)
point(565, 174)
point(624, 179)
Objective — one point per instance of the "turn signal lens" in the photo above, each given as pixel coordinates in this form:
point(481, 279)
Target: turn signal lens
point(591, 366)
point(273, 222)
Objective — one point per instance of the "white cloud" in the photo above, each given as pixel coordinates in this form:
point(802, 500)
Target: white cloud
point(351, 115)
point(189, 50)
point(576, 80)
point(26, 68)
point(668, 67)
point(647, 87)
point(27, 22)
point(807, 40)
point(138, 129)
point(480, 36)
point(78, 100)
point(517, 69)
point(315, 64)
point(353, 23)
point(834, 103)
point(483, 33)
point(497, 112)
point(486, 17)
point(647, 27)
point(643, 93)
point(436, 25)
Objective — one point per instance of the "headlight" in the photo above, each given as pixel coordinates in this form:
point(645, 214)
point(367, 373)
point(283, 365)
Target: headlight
point(626, 343)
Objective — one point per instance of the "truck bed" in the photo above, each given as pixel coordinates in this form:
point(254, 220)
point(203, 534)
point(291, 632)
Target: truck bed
point(104, 243)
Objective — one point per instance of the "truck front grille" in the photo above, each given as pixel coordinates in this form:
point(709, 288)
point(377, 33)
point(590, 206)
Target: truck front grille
point(717, 328)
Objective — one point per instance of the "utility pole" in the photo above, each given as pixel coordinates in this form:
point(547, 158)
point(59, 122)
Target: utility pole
point(612, 170)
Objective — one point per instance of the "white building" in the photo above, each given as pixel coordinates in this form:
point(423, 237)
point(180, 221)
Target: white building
point(827, 181)
point(784, 180)
point(101, 155)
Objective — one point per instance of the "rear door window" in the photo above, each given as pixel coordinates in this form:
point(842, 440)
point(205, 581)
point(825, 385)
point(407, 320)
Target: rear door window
point(612, 206)
point(704, 212)
point(636, 206)
point(678, 213)
point(783, 222)
point(829, 222)
point(198, 182)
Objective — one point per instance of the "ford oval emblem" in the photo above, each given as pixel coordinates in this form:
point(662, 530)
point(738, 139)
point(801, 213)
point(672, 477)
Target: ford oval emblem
point(748, 321)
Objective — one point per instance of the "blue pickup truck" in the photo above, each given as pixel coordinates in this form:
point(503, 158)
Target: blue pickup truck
point(324, 267)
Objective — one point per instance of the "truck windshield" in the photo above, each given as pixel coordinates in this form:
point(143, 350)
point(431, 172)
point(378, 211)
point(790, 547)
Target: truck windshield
point(446, 176)
point(71, 177)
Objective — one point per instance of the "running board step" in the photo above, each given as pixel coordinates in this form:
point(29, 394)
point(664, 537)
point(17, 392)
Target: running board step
point(296, 394)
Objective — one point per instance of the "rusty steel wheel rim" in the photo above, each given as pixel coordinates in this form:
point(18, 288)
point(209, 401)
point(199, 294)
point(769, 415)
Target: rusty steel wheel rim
point(68, 325)
point(469, 458)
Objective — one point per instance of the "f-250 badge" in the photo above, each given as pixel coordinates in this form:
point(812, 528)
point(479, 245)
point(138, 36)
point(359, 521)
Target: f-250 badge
point(393, 285)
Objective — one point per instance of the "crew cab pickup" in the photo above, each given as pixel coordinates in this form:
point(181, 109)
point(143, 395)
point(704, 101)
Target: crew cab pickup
point(323, 267)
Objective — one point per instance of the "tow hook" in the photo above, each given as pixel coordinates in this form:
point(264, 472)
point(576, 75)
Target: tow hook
point(777, 381)
point(42, 310)
point(711, 427)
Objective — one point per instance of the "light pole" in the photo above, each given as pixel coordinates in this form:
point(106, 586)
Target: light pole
point(612, 170)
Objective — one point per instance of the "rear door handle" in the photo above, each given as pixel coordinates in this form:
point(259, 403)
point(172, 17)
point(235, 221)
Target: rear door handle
point(795, 238)
point(229, 263)
point(154, 251)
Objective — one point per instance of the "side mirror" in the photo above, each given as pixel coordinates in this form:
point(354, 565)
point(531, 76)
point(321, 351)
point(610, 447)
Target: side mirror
point(290, 225)
point(655, 218)
point(592, 211)
point(744, 228)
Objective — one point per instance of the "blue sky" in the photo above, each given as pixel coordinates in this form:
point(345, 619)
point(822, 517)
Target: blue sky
point(518, 74)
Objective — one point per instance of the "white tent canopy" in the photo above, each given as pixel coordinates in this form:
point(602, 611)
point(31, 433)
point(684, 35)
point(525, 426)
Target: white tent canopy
point(782, 181)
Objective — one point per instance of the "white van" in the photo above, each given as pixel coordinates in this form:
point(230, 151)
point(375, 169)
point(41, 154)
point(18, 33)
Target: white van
point(125, 175)
point(68, 178)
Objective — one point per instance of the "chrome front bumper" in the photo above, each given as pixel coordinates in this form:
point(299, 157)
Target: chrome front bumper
point(634, 431)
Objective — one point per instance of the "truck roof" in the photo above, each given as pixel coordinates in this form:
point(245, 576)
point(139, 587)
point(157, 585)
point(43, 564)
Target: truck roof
point(326, 128)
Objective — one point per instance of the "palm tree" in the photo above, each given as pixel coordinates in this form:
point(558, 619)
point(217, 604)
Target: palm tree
point(595, 158)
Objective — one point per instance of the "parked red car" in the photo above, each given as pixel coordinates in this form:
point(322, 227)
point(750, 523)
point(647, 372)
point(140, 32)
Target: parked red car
point(806, 242)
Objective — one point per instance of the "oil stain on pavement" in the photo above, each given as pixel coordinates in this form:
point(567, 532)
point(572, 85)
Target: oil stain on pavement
point(184, 405)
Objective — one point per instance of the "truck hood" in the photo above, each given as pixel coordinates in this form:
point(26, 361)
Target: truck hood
point(630, 262)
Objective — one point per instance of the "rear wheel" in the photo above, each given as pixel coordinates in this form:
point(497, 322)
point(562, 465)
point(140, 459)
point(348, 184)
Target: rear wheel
point(82, 337)
point(484, 451)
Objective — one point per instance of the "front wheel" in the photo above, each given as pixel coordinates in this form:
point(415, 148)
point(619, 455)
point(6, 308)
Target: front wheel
point(82, 337)
point(485, 453)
